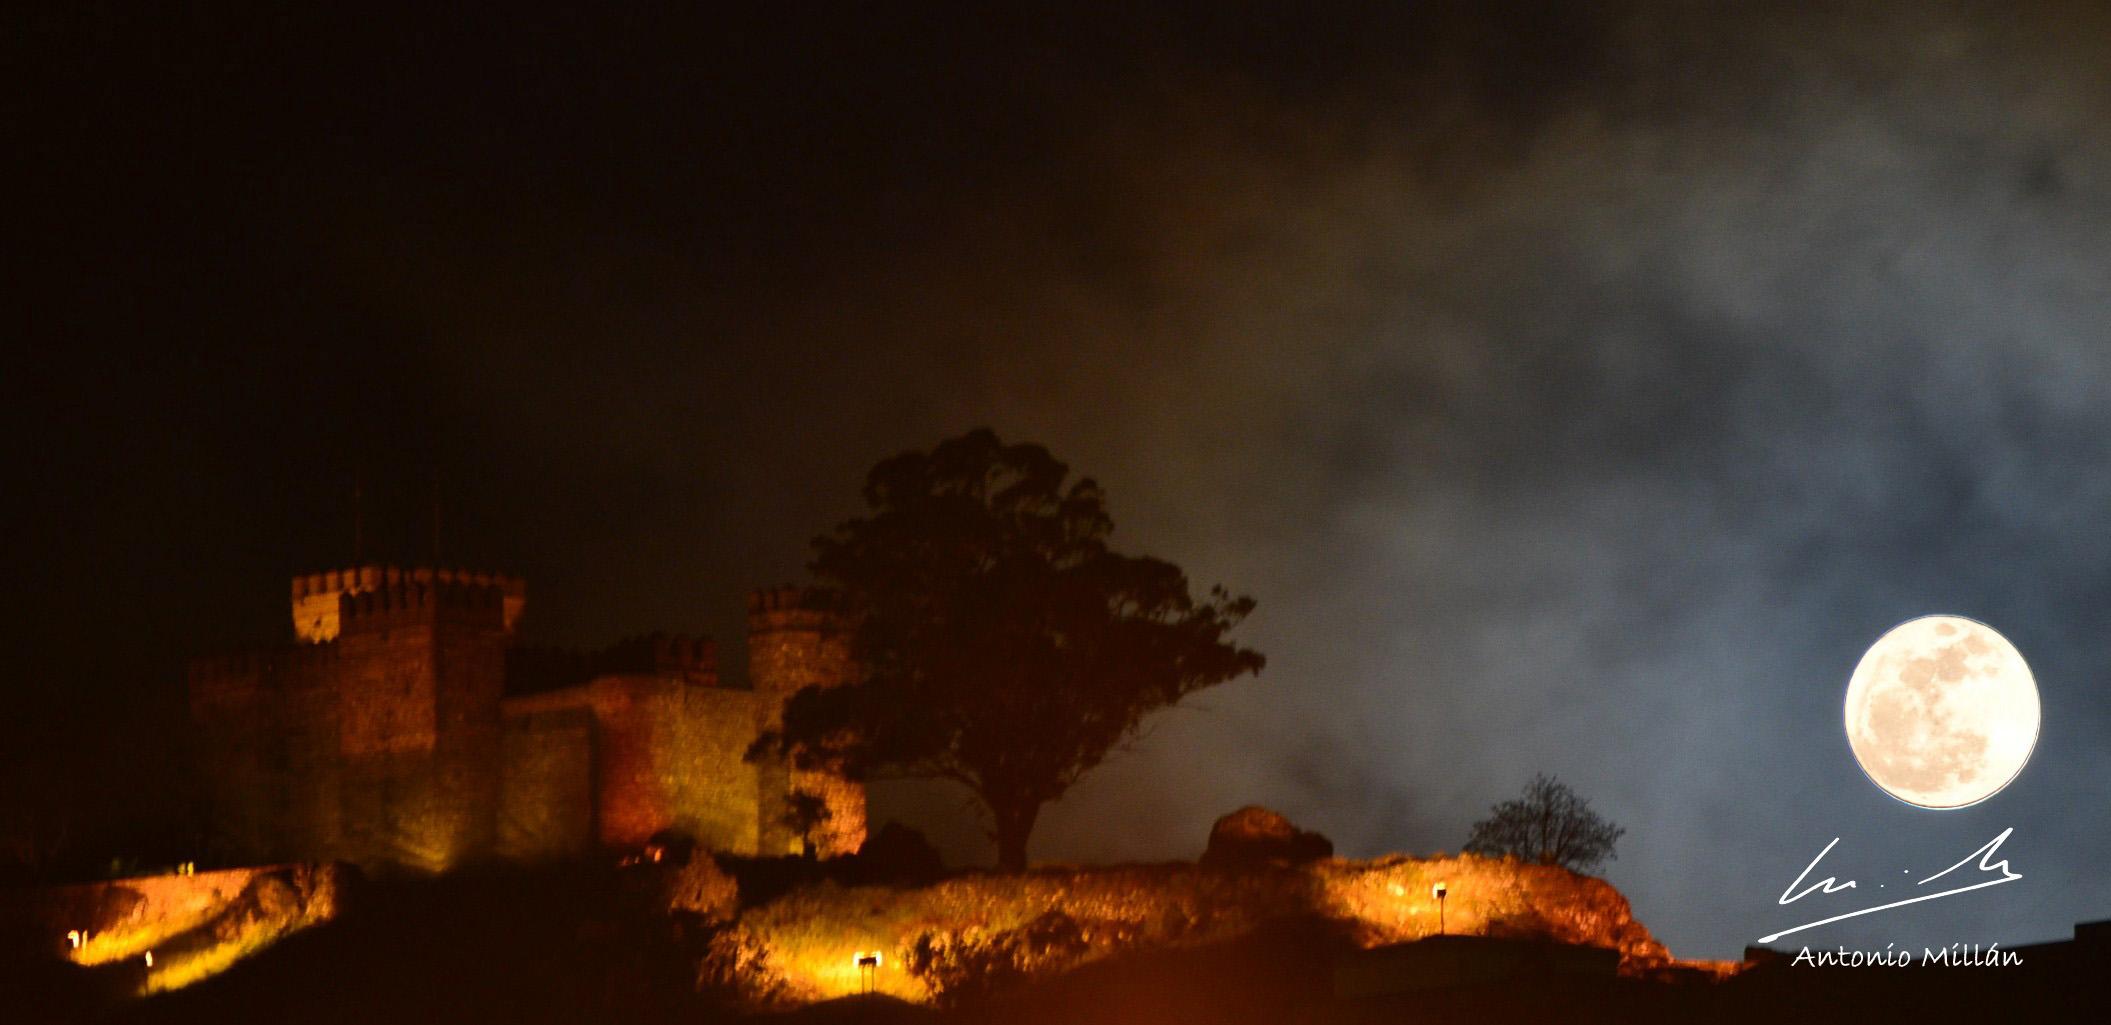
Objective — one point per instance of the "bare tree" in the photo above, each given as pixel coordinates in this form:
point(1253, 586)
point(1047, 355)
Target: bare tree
point(1548, 824)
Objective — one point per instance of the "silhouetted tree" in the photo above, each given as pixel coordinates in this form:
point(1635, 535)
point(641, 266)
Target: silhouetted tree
point(1003, 645)
point(805, 812)
point(1548, 824)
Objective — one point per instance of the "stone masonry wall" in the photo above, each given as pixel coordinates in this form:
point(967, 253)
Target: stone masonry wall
point(389, 741)
point(229, 701)
point(318, 596)
point(417, 713)
point(703, 748)
point(546, 793)
point(797, 638)
point(671, 755)
point(266, 732)
point(470, 653)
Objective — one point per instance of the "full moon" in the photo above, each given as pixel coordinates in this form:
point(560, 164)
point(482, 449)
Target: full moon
point(1942, 712)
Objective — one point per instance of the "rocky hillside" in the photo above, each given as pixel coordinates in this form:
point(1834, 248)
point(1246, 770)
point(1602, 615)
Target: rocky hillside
point(806, 945)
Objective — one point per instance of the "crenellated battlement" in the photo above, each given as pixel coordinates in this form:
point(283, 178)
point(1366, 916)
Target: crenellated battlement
point(376, 576)
point(412, 602)
point(773, 609)
point(407, 727)
point(316, 596)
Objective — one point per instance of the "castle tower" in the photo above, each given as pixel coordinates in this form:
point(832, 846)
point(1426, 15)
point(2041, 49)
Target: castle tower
point(798, 638)
point(421, 658)
point(403, 728)
point(316, 595)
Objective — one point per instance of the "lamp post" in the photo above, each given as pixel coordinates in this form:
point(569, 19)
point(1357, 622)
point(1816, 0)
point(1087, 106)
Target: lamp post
point(1438, 891)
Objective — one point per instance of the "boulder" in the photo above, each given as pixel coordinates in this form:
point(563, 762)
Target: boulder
point(895, 856)
point(700, 887)
point(1254, 835)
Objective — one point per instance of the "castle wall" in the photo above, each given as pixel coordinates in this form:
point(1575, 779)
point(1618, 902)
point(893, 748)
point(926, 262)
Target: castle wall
point(633, 801)
point(310, 818)
point(265, 737)
point(704, 746)
point(230, 708)
point(418, 716)
point(546, 791)
point(386, 733)
point(392, 743)
point(672, 755)
point(470, 656)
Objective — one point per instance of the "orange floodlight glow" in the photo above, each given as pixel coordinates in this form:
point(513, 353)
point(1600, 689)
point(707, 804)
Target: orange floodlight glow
point(868, 965)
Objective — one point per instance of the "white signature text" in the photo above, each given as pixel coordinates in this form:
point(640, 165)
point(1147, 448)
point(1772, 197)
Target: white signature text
point(1831, 884)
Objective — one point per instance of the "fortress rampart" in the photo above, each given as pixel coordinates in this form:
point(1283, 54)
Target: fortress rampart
point(317, 597)
point(403, 726)
point(414, 603)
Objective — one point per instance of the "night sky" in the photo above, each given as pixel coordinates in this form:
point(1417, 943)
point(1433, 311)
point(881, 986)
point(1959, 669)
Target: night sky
point(1577, 389)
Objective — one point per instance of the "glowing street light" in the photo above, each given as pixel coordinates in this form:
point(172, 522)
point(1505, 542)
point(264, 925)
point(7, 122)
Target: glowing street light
point(1438, 891)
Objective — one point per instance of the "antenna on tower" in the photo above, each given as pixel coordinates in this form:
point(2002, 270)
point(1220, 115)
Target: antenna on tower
point(436, 521)
point(358, 524)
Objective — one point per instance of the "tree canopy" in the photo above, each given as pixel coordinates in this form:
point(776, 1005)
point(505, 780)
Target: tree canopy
point(1547, 824)
point(1002, 644)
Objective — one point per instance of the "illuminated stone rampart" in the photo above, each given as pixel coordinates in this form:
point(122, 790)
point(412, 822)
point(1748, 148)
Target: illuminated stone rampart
point(406, 728)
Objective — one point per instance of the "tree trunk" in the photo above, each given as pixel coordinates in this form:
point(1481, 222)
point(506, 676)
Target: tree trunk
point(1015, 822)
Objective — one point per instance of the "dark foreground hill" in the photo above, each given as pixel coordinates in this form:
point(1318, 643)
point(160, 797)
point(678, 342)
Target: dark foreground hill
point(596, 944)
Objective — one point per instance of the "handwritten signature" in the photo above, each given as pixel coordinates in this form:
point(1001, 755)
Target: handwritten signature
point(1831, 884)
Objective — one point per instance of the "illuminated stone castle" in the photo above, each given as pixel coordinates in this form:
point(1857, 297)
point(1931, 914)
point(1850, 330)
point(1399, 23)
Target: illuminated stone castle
point(405, 727)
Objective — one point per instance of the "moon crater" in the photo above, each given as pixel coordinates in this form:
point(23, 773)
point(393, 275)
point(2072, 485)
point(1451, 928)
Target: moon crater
point(1942, 712)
